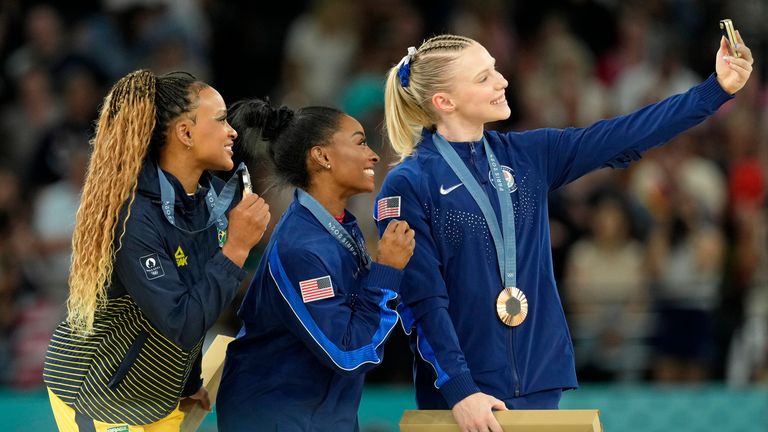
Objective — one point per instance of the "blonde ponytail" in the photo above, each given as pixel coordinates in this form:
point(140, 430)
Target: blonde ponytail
point(409, 109)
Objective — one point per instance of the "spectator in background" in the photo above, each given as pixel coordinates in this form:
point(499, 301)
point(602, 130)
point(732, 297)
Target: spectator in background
point(661, 73)
point(45, 261)
point(686, 252)
point(37, 107)
point(606, 294)
point(53, 225)
point(82, 89)
point(320, 50)
point(564, 86)
point(46, 45)
point(11, 256)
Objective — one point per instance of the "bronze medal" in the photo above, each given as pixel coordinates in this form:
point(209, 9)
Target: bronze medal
point(512, 306)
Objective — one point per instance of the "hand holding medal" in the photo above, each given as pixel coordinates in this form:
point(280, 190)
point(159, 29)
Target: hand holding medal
point(396, 245)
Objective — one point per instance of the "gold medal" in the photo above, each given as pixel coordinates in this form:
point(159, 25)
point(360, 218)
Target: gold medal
point(511, 306)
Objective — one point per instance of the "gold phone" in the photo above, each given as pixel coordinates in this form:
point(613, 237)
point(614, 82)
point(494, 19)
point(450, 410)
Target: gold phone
point(726, 28)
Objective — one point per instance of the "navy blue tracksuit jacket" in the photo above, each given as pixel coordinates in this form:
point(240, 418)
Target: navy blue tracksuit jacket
point(451, 283)
point(313, 323)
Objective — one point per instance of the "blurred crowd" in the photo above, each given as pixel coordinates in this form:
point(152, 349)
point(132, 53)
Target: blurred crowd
point(663, 267)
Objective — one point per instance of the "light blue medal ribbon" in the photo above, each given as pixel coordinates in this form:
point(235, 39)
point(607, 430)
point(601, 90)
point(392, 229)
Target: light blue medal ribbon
point(511, 304)
point(217, 203)
point(336, 230)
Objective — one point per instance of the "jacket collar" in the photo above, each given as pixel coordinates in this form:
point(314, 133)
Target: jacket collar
point(149, 184)
point(463, 148)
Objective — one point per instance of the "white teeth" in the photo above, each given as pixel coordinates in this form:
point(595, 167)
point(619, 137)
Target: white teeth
point(368, 171)
point(498, 101)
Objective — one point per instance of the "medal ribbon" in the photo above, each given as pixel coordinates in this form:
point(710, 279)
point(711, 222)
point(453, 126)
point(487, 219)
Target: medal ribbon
point(503, 240)
point(334, 228)
point(217, 204)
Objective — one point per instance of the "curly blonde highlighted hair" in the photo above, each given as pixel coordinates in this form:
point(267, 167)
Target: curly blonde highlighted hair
point(121, 142)
point(132, 123)
point(409, 109)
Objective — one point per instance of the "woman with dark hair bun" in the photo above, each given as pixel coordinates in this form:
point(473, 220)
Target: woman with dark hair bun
point(157, 256)
point(319, 309)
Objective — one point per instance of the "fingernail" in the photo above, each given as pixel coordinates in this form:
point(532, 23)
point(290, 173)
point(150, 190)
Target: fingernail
point(737, 46)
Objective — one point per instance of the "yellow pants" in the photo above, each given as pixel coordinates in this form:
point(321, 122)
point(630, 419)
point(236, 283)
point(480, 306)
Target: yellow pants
point(68, 421)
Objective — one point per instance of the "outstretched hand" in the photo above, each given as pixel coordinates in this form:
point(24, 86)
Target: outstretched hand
point(733, 72)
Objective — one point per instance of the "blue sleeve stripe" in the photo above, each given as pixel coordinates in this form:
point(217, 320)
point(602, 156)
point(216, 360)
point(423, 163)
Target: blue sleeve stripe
point(422, 346)
point(345, 360)
point(406, 318)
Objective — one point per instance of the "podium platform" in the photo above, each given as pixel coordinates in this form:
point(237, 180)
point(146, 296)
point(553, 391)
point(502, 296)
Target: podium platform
point(212, 368)
point(512, 420)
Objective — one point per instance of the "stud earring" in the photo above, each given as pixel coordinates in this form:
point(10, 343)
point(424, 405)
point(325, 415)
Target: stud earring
point(328, 166)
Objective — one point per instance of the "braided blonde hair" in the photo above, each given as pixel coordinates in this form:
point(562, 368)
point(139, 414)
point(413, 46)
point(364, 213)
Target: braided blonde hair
point(409, 109)
point(121, 142)
point(132, 125)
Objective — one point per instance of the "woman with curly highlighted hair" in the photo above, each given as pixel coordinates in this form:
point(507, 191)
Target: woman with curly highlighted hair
point(157, 255)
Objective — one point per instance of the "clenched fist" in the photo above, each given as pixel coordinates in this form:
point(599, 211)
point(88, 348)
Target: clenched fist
point(396, 245)
point(247, 223)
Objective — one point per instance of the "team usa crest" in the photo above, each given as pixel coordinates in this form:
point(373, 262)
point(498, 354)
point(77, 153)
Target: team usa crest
point(509, 176)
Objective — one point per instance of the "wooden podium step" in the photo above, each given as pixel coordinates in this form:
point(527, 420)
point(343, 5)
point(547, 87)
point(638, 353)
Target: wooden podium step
point(512, 420)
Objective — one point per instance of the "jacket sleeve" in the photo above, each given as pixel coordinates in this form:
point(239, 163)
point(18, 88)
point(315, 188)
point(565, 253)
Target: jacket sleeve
point(195, 381)
point(181, 312)
point(570, 153)
point(424, 306)
point(345, 328)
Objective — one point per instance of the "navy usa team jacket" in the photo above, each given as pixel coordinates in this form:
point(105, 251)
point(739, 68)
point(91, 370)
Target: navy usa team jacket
point(313, 323)
point(451, 283)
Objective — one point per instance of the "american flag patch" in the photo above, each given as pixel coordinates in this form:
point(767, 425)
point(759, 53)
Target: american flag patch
point(316, 289)
point(387, 207)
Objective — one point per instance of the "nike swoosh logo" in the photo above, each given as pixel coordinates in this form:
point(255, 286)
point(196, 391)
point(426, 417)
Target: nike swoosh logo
point(444, 191)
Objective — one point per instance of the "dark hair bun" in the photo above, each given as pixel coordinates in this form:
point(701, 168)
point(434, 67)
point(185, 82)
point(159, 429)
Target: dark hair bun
point(258, 114)
point(276, 123)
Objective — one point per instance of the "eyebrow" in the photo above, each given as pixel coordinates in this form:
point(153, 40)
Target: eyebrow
point(493, 64)
point(359, 133)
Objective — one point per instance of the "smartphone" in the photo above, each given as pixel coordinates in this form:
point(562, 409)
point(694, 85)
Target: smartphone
point(726, 28)
point(245, 177)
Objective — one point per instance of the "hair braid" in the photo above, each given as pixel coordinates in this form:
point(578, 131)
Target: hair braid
point(119, 147)
point(409, 109)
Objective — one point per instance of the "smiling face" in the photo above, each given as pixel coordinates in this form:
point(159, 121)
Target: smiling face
point(477, 89)
point(352, 161)
point(211, 133)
